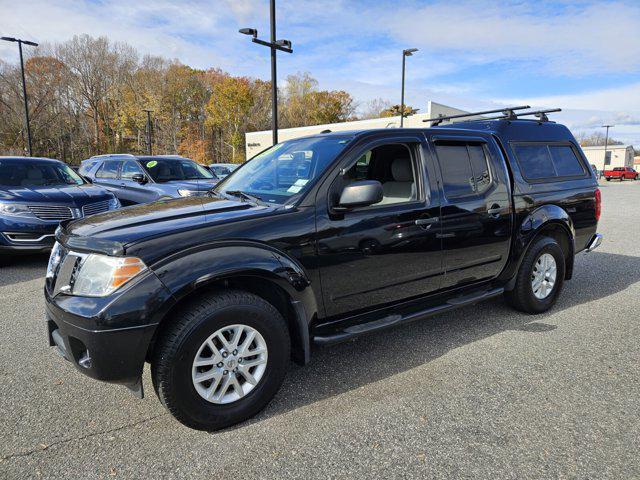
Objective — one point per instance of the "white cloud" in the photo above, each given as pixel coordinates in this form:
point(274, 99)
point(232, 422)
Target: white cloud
point(575, 40)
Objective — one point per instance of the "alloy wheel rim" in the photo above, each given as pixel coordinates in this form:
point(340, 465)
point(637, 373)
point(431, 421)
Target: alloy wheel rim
point(543, 277)
point(229, 364)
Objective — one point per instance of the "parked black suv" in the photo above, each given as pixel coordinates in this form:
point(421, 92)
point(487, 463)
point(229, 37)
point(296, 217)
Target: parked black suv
point(314, 241)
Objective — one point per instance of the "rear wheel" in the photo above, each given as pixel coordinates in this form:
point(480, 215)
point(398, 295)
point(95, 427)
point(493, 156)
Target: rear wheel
point(221, 360)
point(540, 277)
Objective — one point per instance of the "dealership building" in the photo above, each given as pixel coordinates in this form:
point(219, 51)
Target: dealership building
point(617, 156)
point(258, 141)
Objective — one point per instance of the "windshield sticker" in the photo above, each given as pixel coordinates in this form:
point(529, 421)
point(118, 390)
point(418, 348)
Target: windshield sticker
point(294, 188)
point(301, 182)
point(152, 164)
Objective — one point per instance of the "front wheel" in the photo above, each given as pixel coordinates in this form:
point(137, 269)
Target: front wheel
point(540, 277)
point(221, 360)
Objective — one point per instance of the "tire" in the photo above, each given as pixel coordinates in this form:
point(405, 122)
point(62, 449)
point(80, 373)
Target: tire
point(178, 345)
point(607, 179)
point(522, 296)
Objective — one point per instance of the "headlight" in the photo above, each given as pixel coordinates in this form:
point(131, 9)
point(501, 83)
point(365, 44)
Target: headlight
point(99, 275)
point(190, 193)
point(114, 203)
point(15, 209)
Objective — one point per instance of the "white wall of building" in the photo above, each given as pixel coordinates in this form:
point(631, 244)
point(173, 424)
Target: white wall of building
point(258, 141)
point(621, 156)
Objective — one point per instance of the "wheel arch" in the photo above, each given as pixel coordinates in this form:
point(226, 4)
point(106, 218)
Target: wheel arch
point(263, 271)
point(550, 221)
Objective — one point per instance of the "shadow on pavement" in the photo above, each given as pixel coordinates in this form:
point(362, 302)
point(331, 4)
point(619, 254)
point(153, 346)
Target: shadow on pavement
point(22, 268)
point(341, 368)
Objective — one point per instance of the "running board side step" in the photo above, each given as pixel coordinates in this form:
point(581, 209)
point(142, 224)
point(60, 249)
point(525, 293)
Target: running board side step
point(393, 320)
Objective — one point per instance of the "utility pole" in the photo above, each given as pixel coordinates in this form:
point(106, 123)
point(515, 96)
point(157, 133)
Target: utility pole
point(24, 86)
point(606, 144)
point(282, 45)
point(405, 53)
point(148, 130)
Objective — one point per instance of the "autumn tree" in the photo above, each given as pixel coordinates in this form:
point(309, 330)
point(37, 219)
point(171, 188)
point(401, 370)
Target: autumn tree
point(395, 110)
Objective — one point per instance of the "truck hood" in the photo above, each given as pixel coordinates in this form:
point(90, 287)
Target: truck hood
point(134, 224)
point(76, 195)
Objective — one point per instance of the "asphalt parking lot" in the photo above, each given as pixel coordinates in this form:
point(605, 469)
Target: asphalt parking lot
point(483, 392)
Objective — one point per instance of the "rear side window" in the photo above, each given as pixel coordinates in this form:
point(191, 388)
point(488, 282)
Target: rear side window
point(109, 169)
point(565, 161)
point(464, 167)
point(548, 162)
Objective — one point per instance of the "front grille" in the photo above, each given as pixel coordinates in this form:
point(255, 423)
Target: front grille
point(93, 208)
point(51, 212)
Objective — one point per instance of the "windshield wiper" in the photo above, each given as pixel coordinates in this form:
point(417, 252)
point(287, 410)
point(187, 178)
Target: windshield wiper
point(245, 195)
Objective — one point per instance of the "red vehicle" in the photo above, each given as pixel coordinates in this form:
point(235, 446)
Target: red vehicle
point(621, 173)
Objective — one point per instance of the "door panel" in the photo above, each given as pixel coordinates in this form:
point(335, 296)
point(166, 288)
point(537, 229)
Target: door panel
point(381, 254)
point(132, 192)
point(476, 210)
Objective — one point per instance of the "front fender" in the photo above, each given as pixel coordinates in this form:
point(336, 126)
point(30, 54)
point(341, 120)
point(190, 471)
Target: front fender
point(186, 271)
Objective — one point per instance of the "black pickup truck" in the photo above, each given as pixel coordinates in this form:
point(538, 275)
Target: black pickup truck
point(315, 241)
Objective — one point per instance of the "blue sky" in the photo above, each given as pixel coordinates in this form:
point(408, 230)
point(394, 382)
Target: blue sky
point(583, 56)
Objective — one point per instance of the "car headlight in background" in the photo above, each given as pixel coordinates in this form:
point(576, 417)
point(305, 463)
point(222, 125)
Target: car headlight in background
point(15, 209)
point(100, 275)
point(114, 203)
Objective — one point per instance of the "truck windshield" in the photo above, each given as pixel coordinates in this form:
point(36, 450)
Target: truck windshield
point(285, 170)
point(29, 173)
point(171, 169)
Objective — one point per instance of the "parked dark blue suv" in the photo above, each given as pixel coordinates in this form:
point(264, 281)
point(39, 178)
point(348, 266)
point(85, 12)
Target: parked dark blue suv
point(143, 179)
point(36, 194)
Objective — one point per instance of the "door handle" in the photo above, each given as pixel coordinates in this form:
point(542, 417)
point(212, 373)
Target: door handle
point(495, 210)
point(427, 222)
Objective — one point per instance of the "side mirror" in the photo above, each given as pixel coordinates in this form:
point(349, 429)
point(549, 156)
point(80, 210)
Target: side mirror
point(140, 178)
point(360, 194)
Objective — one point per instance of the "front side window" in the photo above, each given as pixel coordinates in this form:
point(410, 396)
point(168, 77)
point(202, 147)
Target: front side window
point(392, 165)
point(129, 169)
point(28, 173)
point(109, 169)
point(286, 170)
point(171, 169)
point(464, 167)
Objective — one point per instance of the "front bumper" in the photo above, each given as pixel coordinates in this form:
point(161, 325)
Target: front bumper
point(108, 338)
point(26, 235)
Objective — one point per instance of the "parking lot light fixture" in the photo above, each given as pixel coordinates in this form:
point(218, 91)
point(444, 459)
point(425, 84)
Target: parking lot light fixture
point(274, 45)
point(24, 85)
point(405, 53)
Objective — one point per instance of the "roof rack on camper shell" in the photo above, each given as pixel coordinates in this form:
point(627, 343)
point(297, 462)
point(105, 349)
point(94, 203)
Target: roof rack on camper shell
point(507, 114)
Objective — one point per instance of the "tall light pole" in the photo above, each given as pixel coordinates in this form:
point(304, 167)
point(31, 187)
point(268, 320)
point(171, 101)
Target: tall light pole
point(606, 144)
point(24, 85)
point(405, 53)
point(282, 45)
point(148, 130)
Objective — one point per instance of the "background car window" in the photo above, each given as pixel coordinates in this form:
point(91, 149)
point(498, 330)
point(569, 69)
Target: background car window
point(129, 169)
point(172, 169)
point(109, 169)
point(85, 167)
point(21, 173)
point(565, 161)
